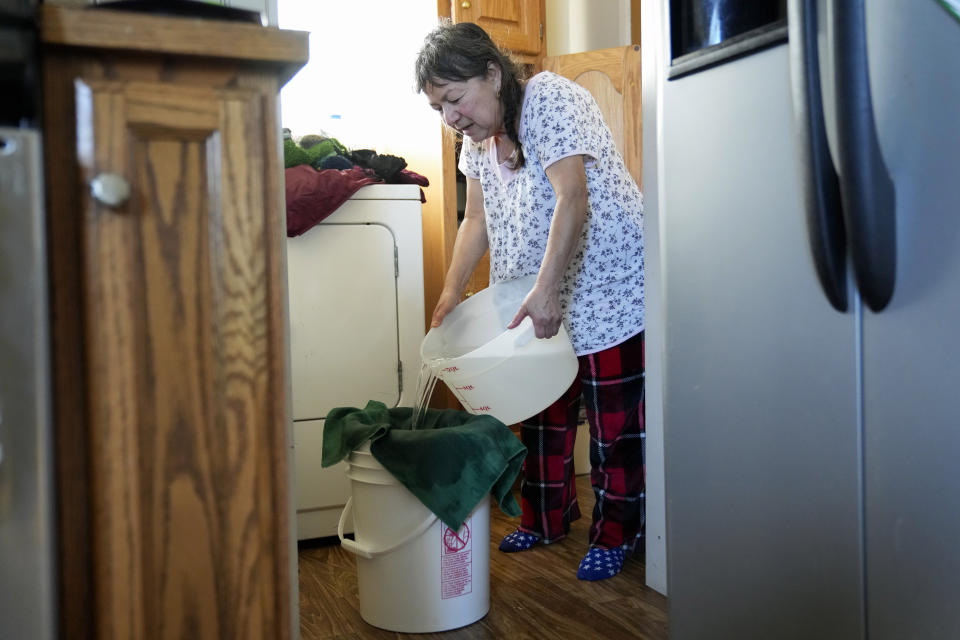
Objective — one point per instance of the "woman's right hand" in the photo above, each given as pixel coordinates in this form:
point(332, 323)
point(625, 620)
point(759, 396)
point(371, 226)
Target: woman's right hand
point(445, 304)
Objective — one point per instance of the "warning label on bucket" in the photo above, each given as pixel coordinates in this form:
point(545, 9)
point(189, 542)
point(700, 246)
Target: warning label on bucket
point(456, 561)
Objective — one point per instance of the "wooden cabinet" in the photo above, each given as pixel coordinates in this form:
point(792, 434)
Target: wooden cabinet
point(612, 76)
point(517, 25)
point(480, 278)
point(169, 324)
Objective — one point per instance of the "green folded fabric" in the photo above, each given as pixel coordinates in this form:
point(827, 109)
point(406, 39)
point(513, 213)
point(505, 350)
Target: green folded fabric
point(450, 462)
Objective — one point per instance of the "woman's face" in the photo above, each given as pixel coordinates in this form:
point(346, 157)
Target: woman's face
point(471, 106)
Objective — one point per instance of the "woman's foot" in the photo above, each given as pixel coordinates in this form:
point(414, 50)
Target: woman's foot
point(600, 563)
point(518, 541)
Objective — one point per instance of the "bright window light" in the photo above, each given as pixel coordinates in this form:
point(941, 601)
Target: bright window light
point(358, 85)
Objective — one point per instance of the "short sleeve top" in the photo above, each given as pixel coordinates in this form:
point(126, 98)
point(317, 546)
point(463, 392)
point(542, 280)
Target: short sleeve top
point(602, 290)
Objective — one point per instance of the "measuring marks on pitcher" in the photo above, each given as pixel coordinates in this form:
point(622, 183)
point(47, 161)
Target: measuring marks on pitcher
point(460, 391)
point(430, 372)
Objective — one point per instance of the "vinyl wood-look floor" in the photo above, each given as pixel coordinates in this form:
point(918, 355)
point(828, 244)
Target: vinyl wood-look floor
point(534, 594)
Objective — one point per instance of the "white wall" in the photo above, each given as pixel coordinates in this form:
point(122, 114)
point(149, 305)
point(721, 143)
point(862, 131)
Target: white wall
point(361, 69)
point(575, 26)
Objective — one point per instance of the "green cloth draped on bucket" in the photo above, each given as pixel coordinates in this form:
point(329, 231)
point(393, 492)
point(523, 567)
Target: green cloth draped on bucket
point(450, 462)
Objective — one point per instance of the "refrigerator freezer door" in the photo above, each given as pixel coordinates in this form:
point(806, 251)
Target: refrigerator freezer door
point(762, 448)
point(912, 348)
point(27, 591)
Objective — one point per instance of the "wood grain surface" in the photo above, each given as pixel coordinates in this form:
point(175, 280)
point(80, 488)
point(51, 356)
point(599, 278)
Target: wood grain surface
point(126, 31)
point(180, 360)
point(613, 77)
point(169, 336)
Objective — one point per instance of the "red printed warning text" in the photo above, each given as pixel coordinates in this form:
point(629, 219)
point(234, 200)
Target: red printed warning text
point(456, 562)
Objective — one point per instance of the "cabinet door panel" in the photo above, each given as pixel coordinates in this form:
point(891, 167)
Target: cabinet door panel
point(612, 76)
point(179, 362)
point(514, 24)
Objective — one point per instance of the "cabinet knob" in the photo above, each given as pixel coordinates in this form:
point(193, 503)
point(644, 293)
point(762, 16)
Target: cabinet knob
point(110, 189)
point(465, 4)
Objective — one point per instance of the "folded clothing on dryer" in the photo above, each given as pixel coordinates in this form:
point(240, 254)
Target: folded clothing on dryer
point(312, 195)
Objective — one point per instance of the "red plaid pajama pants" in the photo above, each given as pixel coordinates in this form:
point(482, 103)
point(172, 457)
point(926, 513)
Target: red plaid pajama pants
point(611, 384)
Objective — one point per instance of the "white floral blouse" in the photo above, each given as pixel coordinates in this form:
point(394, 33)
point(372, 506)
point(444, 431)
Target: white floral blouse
point(602, 291)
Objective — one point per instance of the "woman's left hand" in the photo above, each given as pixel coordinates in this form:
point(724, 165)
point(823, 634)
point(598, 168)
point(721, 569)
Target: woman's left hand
point(542, 304)
point(569, 181)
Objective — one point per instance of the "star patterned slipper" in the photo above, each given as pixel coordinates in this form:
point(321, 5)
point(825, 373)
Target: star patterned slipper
point(600, 563)
point(518, 541)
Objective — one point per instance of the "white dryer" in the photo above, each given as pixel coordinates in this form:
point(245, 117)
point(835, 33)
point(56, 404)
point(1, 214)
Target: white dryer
point(356, 324)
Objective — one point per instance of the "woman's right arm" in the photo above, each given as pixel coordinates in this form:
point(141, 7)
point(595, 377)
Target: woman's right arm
point(469, 247)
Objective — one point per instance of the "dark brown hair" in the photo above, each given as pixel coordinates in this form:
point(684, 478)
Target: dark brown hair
point(458, 52)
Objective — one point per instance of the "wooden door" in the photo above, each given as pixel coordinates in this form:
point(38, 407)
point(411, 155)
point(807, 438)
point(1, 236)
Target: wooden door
point(516, 25)
point(168, 326)
point(187, 491)
point(613, 77)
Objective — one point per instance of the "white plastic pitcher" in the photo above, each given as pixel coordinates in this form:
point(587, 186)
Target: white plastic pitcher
point(414, 574)
point(509, 374)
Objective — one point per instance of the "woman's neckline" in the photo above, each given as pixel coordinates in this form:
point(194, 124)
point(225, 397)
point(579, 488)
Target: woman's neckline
point(506, 172)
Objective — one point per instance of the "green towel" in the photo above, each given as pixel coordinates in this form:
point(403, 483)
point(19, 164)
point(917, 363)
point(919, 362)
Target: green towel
point(450, 462)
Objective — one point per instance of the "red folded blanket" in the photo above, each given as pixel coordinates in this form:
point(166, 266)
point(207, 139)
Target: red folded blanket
point(313, 195)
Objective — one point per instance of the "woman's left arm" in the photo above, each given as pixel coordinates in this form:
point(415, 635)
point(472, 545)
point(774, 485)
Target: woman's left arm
point(569, 180)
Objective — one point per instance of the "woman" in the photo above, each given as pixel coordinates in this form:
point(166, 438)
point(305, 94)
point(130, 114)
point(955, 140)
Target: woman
point(548, 194)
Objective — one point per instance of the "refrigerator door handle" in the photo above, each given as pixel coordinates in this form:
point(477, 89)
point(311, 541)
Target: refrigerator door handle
point(820, 184)
point(866, 190)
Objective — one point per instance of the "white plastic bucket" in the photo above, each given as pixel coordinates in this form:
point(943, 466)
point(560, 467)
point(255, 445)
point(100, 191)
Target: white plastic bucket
point(510, 375)
point(414, 574)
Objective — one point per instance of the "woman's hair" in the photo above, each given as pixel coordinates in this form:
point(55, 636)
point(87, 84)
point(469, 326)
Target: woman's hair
point(458, 52)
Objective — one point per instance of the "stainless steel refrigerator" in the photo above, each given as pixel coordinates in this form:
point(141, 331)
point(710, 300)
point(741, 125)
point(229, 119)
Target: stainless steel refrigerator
point(27, 583)
point(807, 196)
